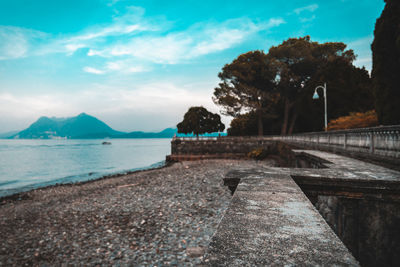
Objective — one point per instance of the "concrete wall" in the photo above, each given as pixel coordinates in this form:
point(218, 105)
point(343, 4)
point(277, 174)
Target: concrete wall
point(222, 145)
point(368, 227)
point(377, 143)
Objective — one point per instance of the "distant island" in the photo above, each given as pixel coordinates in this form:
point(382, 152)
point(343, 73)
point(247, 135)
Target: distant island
point(82, 126)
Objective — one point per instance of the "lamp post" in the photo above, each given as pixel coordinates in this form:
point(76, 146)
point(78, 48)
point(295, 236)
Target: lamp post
point(316, 96)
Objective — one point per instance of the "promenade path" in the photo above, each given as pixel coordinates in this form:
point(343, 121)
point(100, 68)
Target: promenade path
point(270, 220)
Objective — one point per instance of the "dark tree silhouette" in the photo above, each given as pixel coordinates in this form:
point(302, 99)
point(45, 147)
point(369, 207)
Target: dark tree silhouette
point(198, 120)
point(386, 64)
point(300, 60)
point(248, 84)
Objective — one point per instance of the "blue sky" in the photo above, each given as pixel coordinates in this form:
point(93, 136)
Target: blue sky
point(139, 65)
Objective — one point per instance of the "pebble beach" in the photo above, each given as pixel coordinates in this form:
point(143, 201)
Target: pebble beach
point(158, 217)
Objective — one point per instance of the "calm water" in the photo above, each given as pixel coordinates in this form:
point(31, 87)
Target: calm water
point(27, 164)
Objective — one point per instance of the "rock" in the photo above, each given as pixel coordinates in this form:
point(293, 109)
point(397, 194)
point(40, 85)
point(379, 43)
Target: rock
point(195, 252)
point(87, 224)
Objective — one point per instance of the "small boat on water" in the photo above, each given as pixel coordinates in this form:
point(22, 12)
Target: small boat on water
point(106, 143)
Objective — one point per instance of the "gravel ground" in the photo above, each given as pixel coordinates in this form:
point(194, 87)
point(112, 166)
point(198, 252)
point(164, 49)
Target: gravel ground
point(151, 218)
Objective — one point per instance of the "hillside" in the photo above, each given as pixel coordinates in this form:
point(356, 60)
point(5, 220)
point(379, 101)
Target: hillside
point(167, 133)
point(81, 126)
point(84, 126)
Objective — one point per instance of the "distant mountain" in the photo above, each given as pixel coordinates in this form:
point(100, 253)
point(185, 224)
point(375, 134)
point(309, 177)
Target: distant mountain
point(82, 126)
point(167, 133)
point(8, 134)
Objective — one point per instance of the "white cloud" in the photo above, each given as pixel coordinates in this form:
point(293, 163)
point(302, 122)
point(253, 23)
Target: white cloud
point(15, 42)
point(121, 44)
point(304, 20)
point(310, 8)
point(122, 66)
point(113, 2)
point(112, 30)
point(125, 66)
point(93, 70)
point(120, 40)
point(274, 22)
point(362, 47)
point(198, 40)
point(123, 26)
point(26, 106)
point(150, 106)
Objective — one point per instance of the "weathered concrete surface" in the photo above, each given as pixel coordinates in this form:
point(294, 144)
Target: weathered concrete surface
point(271, 222)
point(377, 144)
point(361, 203)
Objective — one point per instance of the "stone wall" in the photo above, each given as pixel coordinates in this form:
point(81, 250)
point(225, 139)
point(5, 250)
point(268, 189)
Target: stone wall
point(369, 227)
point(376, 144)
point(216, 146)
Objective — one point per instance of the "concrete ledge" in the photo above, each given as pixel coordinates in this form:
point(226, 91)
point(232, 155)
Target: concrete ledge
point(271, 222)
point(190, 157)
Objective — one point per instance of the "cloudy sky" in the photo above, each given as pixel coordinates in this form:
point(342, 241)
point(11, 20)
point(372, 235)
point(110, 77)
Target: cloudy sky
point(140, 64)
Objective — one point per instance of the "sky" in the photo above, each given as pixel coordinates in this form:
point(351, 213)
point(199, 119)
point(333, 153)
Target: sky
point(140, 64)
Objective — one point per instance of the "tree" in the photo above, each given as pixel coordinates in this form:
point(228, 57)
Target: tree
point(198, 120)
point(246, 125)
point(349, 90)
point(300, 59)
point(386, 64)
point(248, 84)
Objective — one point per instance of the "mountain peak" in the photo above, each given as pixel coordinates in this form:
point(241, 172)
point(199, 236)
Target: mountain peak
point(81, 126)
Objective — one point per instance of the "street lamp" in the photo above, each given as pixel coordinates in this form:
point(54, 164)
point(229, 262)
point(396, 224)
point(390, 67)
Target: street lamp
point(316, 96)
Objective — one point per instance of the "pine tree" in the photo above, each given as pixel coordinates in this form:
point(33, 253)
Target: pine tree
point(386, 64)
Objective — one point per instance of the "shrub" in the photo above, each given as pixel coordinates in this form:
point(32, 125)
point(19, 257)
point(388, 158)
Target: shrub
point(354, 120)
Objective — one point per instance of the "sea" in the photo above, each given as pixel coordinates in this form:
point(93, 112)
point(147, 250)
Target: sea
point(29, 164)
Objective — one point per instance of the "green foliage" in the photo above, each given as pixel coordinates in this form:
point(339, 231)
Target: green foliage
point(246, 125)
point(291, 71)
point(198, 120)
point(386, 64)
point(349, 89)
point(248, 84)
point(300, 62)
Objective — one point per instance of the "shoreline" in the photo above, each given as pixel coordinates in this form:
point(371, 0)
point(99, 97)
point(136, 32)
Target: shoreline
point(160, 217)
point(20, 195)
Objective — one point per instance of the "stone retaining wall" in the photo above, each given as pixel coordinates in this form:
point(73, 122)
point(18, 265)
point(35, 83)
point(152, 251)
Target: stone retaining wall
point(379, 144)
point(220, 146)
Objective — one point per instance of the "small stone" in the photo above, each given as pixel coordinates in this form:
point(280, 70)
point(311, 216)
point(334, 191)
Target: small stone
point(195, 252)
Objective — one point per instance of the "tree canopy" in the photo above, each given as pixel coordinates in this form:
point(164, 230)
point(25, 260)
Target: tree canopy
point(198, 120)
point(275, 89)
point(386, 64)
point(246, 125)
point(301, 60)
point(248, 84)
